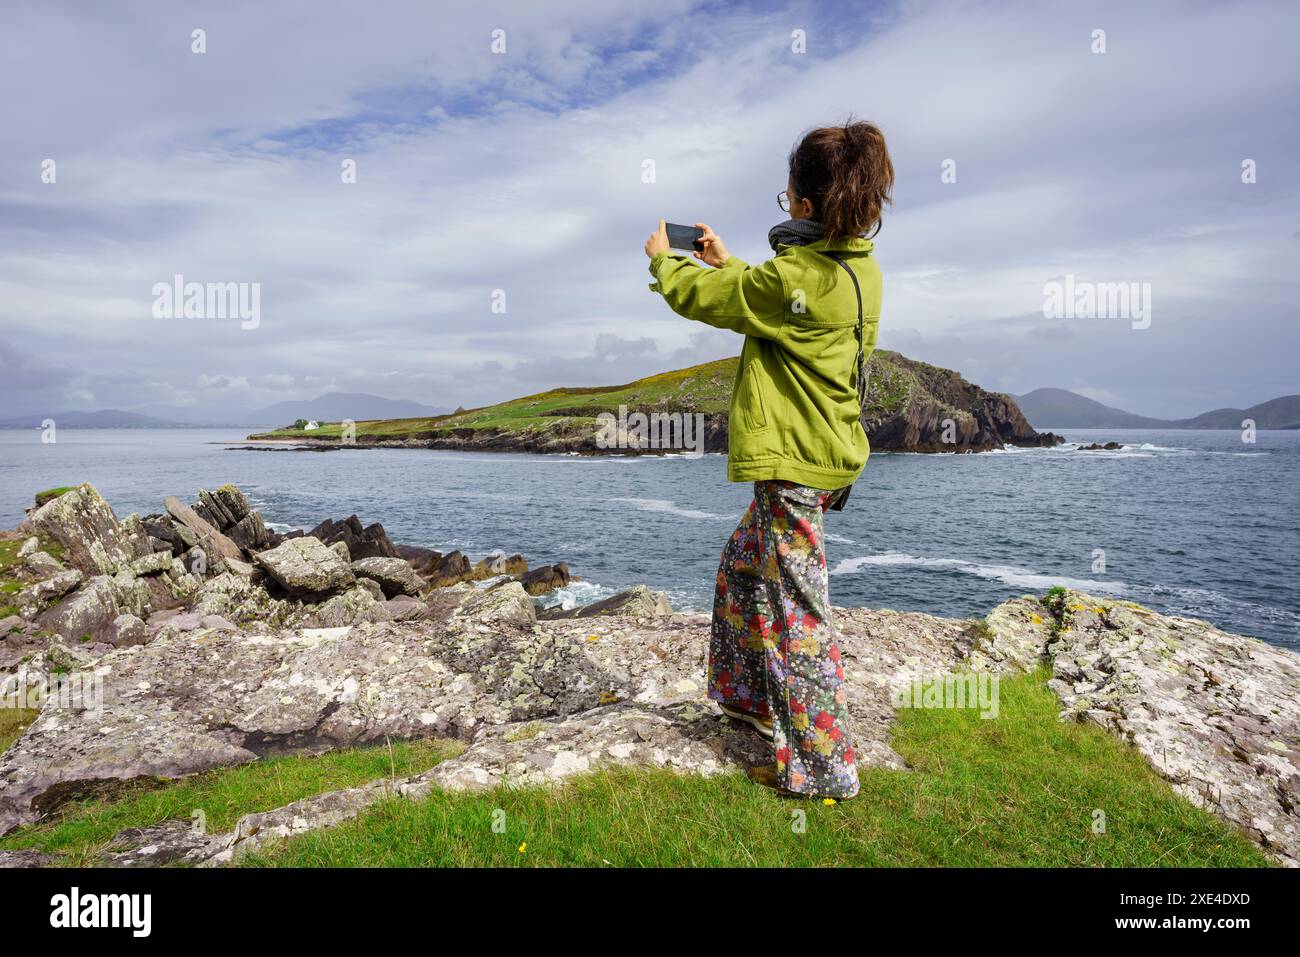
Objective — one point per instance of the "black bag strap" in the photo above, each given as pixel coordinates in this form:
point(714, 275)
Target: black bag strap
point(841, 497)
point(861, 365)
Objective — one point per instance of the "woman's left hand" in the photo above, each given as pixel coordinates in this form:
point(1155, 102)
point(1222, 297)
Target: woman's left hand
point(658, 241)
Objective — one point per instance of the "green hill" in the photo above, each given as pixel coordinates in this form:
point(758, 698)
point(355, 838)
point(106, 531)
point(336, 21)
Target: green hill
point(909, 406)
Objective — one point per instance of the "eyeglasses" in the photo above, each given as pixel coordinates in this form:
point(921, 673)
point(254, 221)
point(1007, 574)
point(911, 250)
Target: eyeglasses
point(783, 200)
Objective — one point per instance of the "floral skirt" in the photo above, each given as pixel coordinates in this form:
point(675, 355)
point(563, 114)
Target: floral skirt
point(773, 650)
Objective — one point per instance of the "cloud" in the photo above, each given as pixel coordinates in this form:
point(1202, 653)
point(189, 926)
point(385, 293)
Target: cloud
point(522, 173)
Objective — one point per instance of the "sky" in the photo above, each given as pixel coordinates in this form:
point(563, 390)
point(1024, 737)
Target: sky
point(516, 176)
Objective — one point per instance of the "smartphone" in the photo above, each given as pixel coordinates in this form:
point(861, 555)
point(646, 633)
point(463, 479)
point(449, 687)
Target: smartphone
point(685, 237)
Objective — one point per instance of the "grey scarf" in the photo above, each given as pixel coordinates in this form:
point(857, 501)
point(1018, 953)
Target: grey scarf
point(795, 232)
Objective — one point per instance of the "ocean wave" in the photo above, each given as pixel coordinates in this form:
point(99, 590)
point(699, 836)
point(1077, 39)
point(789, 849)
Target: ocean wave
point(1008, 574)
point(668, 507)
point(832, 537)
point(1215, 606)
point(575, 595)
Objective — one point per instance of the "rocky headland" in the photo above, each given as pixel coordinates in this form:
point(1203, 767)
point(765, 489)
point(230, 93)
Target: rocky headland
point(158, 647)
point(910, 407)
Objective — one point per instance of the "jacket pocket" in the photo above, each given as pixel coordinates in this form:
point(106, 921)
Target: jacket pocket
point(750, 401)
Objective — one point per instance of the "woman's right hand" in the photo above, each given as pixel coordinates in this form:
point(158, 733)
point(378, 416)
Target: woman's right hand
point(714, 252)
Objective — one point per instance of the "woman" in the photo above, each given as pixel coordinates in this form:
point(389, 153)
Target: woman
point(809, 317)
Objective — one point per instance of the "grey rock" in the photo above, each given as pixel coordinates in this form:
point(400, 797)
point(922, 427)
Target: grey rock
point(92, 538)
point(307, 568)
point(638, 602)
point(357, 604)
point(215, 511)
point(250, 532)
point(546, 578)
point(38, 565)
point(88, 611)
point(22, 859)
point(29, 547)
point(201, 533)
point(32, 599)
point(508, 604)
point(127, 630)
point(233, 502)
point(152, 564)
point(372, 587)
point(394, 575)
point(370, 541)
point(491, 567)
point(236, 598)
point(403, 608)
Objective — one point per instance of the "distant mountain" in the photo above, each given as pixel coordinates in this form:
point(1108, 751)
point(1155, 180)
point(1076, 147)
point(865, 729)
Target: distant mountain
point(1069, 410)
point(337, 406)
point(330, 407)
point(1062, 409)
point(103, 419)
point(1279, 413)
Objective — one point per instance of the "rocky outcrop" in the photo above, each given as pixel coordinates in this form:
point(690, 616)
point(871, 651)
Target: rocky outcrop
point(394, 575)
point(916, 407)
point(134, 579)
point(307, 568)
point(911, 407)
point(537, 701)
point(81, 523)
point(1216, 714)
point(370, 541)
point(86, 614)
point(197, 532)
point(539, 581)
point(637, 602)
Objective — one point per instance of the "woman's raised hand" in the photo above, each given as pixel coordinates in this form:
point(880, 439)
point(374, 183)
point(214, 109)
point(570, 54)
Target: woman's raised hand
point(658, 241)
point(714, 252)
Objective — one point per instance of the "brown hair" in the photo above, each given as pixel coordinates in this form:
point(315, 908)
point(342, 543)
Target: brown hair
point(847, 174)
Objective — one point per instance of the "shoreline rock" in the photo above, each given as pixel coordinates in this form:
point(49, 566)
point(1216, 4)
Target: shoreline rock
point(301, 650)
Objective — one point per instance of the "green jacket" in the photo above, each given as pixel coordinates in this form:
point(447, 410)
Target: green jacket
point(794, 404)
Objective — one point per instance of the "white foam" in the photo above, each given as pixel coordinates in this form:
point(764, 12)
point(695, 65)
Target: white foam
point(575, 595)
point(668, 507)
point(1008, 574)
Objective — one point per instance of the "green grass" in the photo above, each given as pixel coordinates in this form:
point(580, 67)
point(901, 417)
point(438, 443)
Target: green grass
point(9, 562)
point(82, 829)
point(8, 584)
point(13, 721)
point(1020, 790)
point(51, 493)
